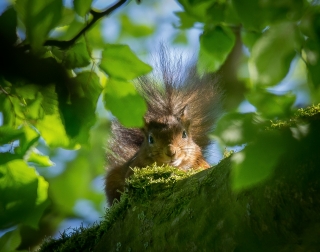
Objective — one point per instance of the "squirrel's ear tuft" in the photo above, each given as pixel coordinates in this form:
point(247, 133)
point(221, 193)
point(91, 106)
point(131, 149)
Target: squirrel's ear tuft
point(183, 113)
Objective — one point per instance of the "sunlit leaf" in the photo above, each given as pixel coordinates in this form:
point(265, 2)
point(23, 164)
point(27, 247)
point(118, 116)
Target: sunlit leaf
point(27, 91)
point(53, 132)
point(118, 61)
point(272, 54)
point(21, 188)
point(30, 137)
point(39, 18)
point(50, 100)
point(12, 111)
point(125, 103)
point(215, 46)
point(34, 109)
point(33, 100)
point(38, 158)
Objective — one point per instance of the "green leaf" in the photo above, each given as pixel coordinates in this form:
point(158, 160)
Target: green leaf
point(134, 30)
point(94, 36)
point(253, 21)
point(86, 85)
point(256, 15)
point(236, 128)
point(249, 38)
point(30, 138)
point(38, 158)
point(272, 54)
point(85, 90)
point(125, 103)
point(216, 12)
point(53, 132)
point(39, 18)
point(256, 162)
point(32, 107)
point(12, 110)
point(181, 38)
point(310, 23)
point(26, 91)
point(118, 61)
point(77, 56)
point(196, 9)
point(10, 241)
point(82, 7)
point(50, 100)
point(6, 157)
point(272, 106)
point(8, 25)
point(68, 15)
point(185, 21)
point(215, 46)
point(8, 134)
point(21, 188)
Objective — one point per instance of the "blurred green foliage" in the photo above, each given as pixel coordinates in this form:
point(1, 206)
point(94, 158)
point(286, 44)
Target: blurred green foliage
point(51, 79)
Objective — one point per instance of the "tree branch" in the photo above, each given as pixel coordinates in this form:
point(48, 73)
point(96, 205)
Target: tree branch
point(96, 16)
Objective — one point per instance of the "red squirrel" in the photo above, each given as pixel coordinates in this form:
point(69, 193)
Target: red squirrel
point(182, 110)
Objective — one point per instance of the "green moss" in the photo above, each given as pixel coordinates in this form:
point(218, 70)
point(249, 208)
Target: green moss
point(154, 179)
point(80, 239)
point(302, 115)
point(139, 187)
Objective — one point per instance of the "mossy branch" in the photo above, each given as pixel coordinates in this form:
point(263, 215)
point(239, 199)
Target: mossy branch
point(166, 210)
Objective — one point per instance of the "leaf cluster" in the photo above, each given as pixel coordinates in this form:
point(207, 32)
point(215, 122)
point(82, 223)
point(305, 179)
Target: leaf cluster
point(279, 37)
point(50, 82)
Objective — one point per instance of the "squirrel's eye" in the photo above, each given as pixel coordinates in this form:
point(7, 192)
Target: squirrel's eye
point(184, 134)
point(150, 139)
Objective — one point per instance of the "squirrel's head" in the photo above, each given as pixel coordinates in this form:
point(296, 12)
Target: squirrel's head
point(169, 141)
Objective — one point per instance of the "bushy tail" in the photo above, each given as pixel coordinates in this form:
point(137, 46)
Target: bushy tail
point(171, 87)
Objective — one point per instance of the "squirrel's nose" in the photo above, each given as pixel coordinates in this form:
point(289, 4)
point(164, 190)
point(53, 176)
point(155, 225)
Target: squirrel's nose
point(171, 150)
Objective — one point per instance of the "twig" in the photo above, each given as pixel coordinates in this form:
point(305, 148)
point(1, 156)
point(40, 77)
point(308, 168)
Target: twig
point(96, 16)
